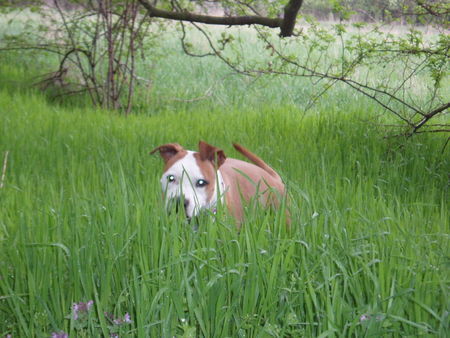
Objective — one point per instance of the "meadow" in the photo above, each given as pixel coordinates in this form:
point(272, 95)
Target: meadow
point(87, 249)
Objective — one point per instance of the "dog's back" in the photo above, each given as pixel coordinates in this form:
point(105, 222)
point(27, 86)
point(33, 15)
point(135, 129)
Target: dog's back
point(246, 180)
point(256, 160)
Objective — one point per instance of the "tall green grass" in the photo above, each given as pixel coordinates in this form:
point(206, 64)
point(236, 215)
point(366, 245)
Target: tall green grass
point(81, 219)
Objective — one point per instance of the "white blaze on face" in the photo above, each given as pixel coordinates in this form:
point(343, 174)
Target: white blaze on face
point(185, 180)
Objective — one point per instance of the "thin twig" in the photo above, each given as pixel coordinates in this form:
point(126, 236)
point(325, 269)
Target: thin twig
point(73, 43)
point(185, 47)
point(445, 145)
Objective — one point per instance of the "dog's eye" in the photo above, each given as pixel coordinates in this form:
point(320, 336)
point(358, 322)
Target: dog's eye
point(171, 178)
point(201, 183)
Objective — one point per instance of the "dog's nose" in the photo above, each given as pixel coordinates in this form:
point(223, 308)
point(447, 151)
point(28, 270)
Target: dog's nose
point(178, 204)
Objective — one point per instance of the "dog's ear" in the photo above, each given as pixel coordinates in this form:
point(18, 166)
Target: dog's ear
point(211, 153)
point(167, 151)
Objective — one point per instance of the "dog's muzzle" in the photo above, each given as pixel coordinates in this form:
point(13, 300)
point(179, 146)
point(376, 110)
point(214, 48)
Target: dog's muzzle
point(181, 201)
point(178, 204)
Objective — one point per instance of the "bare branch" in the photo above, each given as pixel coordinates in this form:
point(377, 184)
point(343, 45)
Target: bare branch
point(290, 13)
point(430, 115)
point(286, 24)
point(209, 19)
point(433, 131)
point(433, 9)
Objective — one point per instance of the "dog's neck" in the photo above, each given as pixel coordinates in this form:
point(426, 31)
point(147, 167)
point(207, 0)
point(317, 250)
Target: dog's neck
point(219, 192)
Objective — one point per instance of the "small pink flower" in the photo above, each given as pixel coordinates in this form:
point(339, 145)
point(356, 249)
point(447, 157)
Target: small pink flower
point(120, 321)
point(364, 317)
point(80, 308)
point(127, 318)
point(61, 334)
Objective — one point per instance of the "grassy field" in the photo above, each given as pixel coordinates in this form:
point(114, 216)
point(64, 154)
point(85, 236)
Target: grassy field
point(87, 249)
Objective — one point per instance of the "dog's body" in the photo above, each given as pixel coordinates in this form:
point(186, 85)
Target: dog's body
point(200, 179)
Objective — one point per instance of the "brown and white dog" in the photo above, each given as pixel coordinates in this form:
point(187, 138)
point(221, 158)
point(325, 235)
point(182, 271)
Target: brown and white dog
point(200, 179)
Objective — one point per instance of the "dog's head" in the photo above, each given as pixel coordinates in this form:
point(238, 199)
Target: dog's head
point(190, 179)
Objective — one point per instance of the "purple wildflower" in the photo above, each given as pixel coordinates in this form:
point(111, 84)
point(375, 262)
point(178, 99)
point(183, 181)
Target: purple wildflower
point(364, 317)
point(127, 318)
point(120, 321)
point(61, 334)
point(81, 308)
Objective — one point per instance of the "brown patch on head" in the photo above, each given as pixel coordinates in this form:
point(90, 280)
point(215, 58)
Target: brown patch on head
point(170, 153)
point(208, 171)
point(174, 159)
point(210, 153)
point(167, 151)
point(209, 159)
